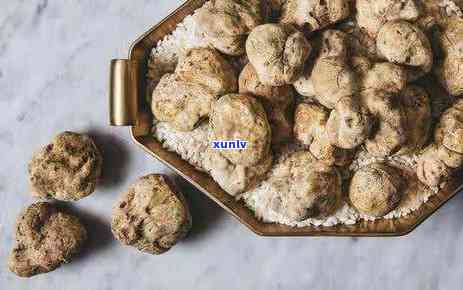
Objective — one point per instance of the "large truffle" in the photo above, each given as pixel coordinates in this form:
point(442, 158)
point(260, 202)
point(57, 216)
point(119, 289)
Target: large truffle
point(46, 237)
point(151, 216)
point(185, 98)
point(309, 188)
point(376, 189)
point(66, 169)
point(278, 53)
point(241, 117)
point(401, 42)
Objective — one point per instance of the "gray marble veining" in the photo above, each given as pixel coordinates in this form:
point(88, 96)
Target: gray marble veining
point(54, 59)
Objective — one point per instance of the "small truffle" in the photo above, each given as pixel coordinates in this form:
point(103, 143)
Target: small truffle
point(151, 216)
point(66, 169)
point(46, 237)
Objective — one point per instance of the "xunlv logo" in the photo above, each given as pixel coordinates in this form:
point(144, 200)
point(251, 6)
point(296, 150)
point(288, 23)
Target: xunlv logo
point(229, 145)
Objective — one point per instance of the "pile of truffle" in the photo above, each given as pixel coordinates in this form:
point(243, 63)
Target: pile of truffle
point(151, 216)
point(316, 88)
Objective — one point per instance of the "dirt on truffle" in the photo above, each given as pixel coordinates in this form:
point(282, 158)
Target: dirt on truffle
point(66, 169)
point(151, 216)
point(46, 237)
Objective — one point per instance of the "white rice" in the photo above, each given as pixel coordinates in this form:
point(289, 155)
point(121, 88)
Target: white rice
point(192, 145)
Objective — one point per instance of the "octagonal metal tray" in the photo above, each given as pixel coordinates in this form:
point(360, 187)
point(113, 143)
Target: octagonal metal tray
point(129, 108)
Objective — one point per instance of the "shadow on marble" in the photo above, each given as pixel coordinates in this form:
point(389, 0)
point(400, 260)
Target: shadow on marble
point(98, 231)
point(206, 213)
point(116, 158)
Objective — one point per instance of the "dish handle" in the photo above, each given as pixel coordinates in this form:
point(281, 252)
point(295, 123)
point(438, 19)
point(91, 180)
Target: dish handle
point(123, 92)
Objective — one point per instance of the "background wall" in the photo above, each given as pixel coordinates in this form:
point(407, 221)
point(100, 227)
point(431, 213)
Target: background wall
point(54, 59)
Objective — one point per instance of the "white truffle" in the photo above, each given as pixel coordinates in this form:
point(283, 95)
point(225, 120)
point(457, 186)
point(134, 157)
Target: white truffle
point(376, 189)
point(278, 52)
point(227, 23)
point(241, 117)
point(314, 15)
point(401, 42)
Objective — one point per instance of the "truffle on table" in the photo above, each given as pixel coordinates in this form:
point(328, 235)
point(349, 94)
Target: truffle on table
point(66, 169)
point(151, 216)
point(46, 237)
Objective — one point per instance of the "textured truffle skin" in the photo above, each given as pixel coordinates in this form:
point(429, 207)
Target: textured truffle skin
point(373, 14)
point(45, 238)
point(241, 117)
point(310, 121)
point(277, 101)
point(209, 68)
point(445, 155)
point(181, 103)
point(329, 78)
point(235, 178)
point(313, 15)
point(313, 188)
point(66, 169)
point(278, 52)
point(376, 189)
point(349, 124)
point(310, 129)
point(449, 132)
point(151, 216)
point(449, 68)
point(389, 135)
point(227, 23)
point(332, 76)
point(401, 42)
point(185, 98)
point(333, 80)
point(384, 76)
point(442, 158)
point(431, 170)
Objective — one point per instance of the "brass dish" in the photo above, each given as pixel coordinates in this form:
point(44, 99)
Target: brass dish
point(128, 108)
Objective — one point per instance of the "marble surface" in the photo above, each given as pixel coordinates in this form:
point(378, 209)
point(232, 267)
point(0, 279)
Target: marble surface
point(54, 58)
